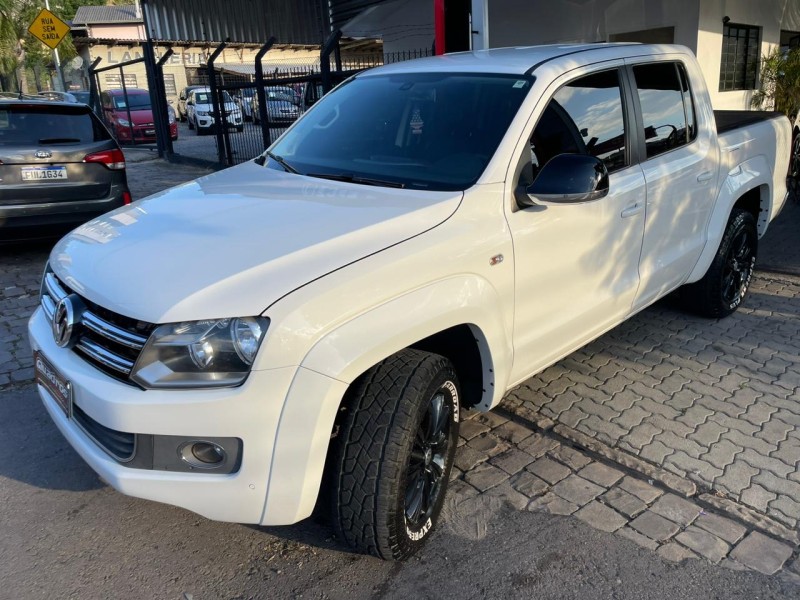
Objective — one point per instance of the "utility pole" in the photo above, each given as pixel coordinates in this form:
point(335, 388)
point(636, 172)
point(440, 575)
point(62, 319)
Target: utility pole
point(56, 61)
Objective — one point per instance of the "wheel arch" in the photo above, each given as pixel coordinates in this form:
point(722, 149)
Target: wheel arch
point(748, 186)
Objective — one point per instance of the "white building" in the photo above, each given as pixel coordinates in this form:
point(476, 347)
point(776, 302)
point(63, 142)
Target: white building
point(728, 36)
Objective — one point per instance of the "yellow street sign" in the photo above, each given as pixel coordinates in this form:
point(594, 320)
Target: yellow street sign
point(48, 28)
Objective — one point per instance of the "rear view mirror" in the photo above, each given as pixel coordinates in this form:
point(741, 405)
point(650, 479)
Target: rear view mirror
point(567, 179)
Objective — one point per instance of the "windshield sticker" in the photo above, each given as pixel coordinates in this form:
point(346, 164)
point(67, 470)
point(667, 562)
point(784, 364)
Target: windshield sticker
point(520, 83)
point(416, 122)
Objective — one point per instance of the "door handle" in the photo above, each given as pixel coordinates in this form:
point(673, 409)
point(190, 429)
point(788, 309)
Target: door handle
point(703, 177)
point(633, 209)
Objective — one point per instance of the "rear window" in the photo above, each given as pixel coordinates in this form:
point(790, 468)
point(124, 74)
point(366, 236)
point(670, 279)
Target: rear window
point(34, 125)
point(136, 101)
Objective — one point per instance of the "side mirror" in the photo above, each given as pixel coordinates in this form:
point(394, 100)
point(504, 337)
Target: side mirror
point(566, 179)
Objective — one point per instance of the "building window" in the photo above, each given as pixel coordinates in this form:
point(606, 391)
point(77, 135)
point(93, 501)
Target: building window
point(169, 84)
point(113, 81)
point(740, 52)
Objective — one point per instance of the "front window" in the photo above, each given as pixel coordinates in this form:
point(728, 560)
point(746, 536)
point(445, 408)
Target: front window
point(433, 131)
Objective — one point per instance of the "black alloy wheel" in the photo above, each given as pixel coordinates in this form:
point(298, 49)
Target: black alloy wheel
point(738, 269)
point(427, 461)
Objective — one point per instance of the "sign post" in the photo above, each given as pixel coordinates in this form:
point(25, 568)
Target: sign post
point(50, 30)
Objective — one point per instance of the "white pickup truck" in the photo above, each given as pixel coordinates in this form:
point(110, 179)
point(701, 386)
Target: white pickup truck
point(428, 236)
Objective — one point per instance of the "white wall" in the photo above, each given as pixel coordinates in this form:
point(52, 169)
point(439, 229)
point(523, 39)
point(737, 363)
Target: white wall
point(770, 15)
point(526, 22)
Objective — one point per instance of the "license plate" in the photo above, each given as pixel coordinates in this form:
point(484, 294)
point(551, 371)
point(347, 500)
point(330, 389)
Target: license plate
point(53, 382)
point(43, 173)
point(149, 131)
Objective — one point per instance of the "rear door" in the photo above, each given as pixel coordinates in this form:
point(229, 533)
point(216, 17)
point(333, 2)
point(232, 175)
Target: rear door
point(42, 152)
point(680, 169)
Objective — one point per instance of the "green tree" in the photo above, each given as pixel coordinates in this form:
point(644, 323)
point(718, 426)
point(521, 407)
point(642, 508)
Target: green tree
point(779, 85)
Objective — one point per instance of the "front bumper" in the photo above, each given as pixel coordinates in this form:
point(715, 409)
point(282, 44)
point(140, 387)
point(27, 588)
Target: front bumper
point(252, 412)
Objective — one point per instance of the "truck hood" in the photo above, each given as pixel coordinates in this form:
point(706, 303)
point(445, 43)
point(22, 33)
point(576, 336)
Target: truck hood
point(232, 243)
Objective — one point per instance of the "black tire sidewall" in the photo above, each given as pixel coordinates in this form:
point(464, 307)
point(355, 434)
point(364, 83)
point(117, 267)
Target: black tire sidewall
point(740, 221)
point(411, 539)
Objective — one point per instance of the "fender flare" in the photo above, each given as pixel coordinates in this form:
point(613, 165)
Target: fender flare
point(751, 174)
point(334, 362)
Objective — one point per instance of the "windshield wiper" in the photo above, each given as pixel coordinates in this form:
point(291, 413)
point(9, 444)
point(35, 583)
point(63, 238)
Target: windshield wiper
point(286, 166)
point(359, 180)
point(58, 140)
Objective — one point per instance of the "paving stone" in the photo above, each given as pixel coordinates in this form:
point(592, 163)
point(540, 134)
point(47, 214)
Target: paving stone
point(654, 526)
point(601, 517)
point(675, 552)
point(703, 543)
point(656, 452)
point(600, 474)
point(485, 476)
point(529, 485)
point(490, 419)
point(506, 492)
point(549, 470)
point(752, 518)
point(638, 538)
point(737, 477)
point(721, 527)
point(471, 428)
point(570, 457)
point(537, 445)
point(577, 490)
point(461, 490)
point(641, 489)
point(722, 453)
point(676, 509)
point(488, 444)
point(761, 553)
point(512, 432)
point(512, 461)
point(757, 497)
point(624, 502)
point(467, 458)
point(553, 504)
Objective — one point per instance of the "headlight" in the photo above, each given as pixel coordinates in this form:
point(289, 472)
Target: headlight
point(171, 113)
point(203, 113)
point(124, 122)
point(198, 354)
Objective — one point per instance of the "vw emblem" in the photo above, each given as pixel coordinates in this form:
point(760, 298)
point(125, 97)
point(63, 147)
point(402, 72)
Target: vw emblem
point(65, 318)
point(43, 154)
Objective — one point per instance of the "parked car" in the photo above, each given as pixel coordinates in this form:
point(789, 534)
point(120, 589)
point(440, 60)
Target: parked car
point(428, 236)
point(82, 96)
point(244, 99)
point(130, 116)
point(200, 110)
point(59, 167)
point(283, 106)
point(58, 96)
point(183, 97)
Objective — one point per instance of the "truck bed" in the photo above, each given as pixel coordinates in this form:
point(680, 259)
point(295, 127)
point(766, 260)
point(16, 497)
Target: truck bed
point(728, 120)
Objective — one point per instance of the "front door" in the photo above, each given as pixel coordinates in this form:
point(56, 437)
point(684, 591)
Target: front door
point(576, 265)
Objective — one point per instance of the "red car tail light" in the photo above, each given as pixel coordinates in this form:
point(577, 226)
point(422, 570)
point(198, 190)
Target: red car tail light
point(112, 159)
point(126, 198)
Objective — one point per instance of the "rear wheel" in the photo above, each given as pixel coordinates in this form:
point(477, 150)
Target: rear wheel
point(723, 288)
point(393, 463)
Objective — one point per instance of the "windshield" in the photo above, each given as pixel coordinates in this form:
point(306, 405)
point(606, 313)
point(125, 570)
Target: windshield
point(205, 97)
point(432, 131)
point(136, 101)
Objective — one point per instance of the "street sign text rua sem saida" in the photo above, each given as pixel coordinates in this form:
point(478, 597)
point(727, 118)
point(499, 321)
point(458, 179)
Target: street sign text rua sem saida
point(48, 28)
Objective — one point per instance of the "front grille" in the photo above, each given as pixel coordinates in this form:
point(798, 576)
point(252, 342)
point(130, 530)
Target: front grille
point(109, 341)
point(118, 444)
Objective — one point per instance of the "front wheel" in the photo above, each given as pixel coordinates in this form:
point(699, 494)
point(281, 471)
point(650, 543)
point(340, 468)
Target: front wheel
point(724, 286)
point(392, 465)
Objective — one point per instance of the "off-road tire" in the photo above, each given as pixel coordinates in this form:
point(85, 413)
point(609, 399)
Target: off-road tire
point(371, 465)
point(707, 296)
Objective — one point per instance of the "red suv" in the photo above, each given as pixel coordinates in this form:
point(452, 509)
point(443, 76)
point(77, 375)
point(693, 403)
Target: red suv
point(131, 120)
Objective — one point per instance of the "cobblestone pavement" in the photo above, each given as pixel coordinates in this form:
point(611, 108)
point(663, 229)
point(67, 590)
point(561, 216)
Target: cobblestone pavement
point(714, 402)
point(504, 459)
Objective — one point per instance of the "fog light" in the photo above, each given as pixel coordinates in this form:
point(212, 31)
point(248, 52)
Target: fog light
point(202, 455)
